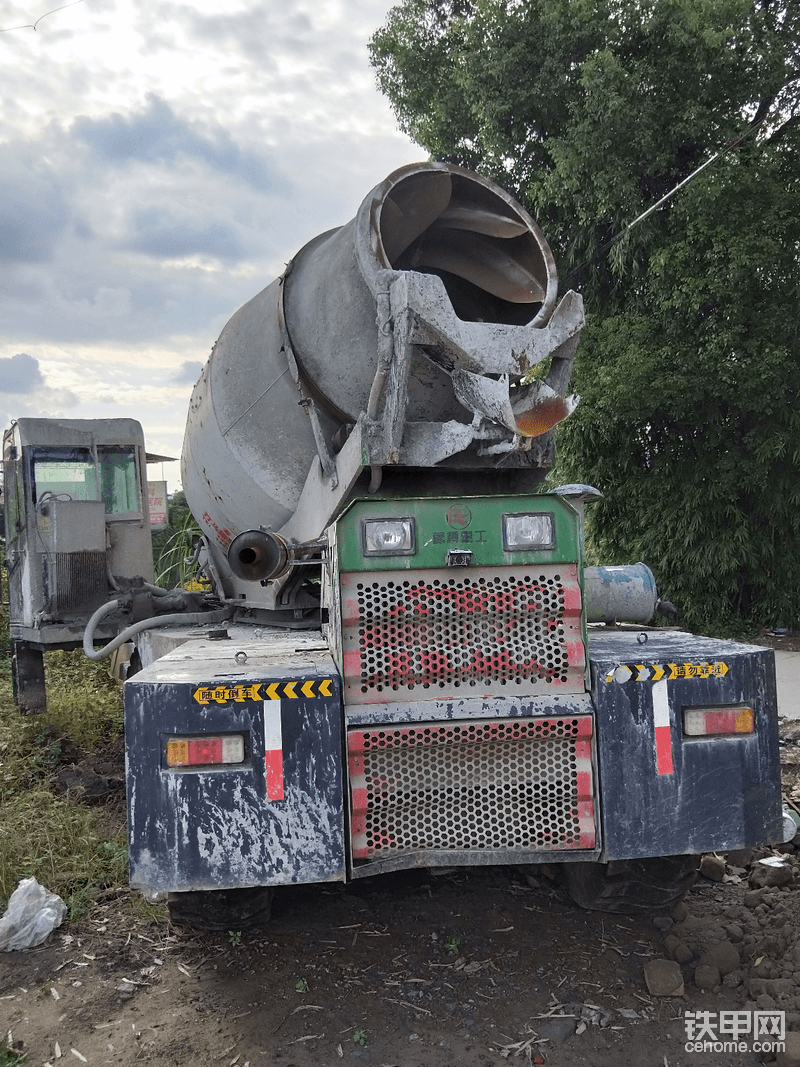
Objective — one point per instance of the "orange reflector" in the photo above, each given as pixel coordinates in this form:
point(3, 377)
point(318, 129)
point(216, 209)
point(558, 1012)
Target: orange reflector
point(542, 417)
point(204, 751)
point(702, 722)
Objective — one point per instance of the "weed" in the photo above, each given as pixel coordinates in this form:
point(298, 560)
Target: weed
point(64, 845)
point(9, 1056)
point(83, 701)
point(360, 1035)
point(173, 546)
point(300, 985)
point(235, 937)
point(453, 944)
point(152, 914)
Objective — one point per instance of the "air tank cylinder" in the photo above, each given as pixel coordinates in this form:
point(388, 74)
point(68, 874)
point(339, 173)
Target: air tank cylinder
point(620, 594)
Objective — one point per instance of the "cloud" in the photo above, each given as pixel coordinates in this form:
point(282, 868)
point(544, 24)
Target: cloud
point(188, 374)
point(33, 210)
point(167, 233)
point(157, 135)
point(257, 33)
point(20, 374)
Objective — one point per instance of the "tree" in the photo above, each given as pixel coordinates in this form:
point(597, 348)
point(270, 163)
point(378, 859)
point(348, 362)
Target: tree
point(689, 371)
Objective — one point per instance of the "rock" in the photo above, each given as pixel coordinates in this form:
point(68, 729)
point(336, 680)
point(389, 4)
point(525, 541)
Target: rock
point(663, 978)
point(790, 1057)
point(682, 953)
point(732, 980)
point(713, 866)
point(765, 1002)
point(671, 942)
point(773, 987)
point(556, 1031)
point(734, 932)
point(723, 956)
point(706, 976)
point(764, 875)
point(754, 898)
point(662, 922)
point(740, 857)
point(679, 912)
point(678, 950)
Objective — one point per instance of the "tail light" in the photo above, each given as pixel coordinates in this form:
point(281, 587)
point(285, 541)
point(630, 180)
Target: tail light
point(205, 751)
point(709, 722)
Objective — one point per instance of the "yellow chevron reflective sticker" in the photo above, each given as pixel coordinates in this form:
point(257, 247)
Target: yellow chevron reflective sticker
point(223, 694)
point(654, 672)
point(284, 690)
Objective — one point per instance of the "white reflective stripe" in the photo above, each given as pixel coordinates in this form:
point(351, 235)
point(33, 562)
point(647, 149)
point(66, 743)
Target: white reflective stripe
point(273, 737)
point(660, 703)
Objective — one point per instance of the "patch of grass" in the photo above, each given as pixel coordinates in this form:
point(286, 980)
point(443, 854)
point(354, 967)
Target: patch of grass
point(152, 914)
point(83, 701)
point(9, 1057)
point(67, 847)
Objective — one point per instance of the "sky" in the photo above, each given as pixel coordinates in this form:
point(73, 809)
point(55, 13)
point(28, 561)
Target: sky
point(159, 164)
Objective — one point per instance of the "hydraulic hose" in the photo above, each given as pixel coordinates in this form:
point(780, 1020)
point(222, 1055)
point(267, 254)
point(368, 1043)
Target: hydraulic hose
point(196, 618)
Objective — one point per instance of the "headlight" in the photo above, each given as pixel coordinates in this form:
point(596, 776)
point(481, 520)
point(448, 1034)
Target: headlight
point(389, 537)
point(521, 532)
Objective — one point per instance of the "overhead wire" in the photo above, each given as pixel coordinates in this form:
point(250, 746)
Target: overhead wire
point(667, 196)
point(33, 25)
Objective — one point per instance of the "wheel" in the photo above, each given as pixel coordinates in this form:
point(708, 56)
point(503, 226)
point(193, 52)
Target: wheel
point(222, 909)
point(631, 887)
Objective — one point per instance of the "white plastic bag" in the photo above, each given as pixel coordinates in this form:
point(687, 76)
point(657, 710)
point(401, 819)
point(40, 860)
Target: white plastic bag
point(32, 914)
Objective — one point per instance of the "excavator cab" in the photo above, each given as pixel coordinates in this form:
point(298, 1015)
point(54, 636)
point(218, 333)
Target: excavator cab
point(76, 521)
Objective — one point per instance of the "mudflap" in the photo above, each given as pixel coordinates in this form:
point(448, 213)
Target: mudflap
point(273, 818)
point(664, 792)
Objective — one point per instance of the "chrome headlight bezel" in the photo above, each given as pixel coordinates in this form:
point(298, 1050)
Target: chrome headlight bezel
point(370, 537)
point(541, 540)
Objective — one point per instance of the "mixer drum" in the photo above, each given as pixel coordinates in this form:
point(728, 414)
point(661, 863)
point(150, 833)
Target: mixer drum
point(249, 444)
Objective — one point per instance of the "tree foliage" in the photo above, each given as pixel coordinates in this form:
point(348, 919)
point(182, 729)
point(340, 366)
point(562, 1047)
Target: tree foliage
point(590, 111)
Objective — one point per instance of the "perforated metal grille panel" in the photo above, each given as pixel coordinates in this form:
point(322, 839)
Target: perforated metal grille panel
point(488, 629)
point(517, 783)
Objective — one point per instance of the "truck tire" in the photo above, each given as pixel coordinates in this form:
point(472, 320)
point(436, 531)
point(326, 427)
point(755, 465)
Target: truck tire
point(631, 887)
point(222, 909)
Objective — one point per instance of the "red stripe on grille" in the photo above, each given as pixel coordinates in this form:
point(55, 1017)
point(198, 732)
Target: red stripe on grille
point(489, 631)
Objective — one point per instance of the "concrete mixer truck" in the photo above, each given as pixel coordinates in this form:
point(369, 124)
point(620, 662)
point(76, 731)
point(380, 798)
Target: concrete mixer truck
point(396, 664)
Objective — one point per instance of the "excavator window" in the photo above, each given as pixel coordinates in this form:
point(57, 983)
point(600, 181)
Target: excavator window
point(112, 479)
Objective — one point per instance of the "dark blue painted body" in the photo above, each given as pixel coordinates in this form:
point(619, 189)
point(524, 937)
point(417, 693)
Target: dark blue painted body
point(724, 791)
point(216, 827)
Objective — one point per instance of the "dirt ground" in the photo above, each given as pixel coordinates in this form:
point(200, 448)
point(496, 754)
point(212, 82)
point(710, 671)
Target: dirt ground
point(470, 967)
